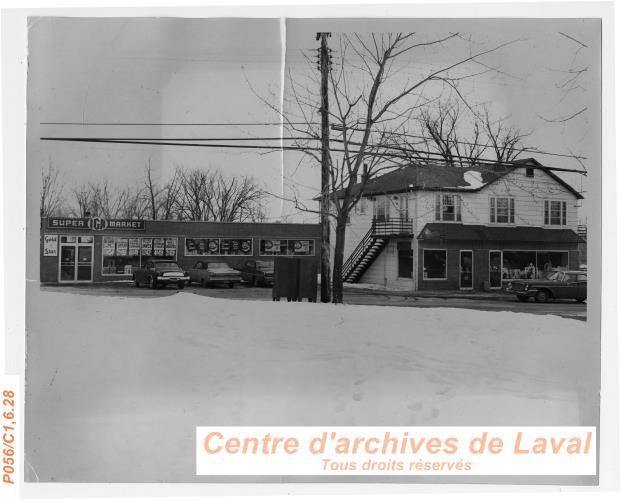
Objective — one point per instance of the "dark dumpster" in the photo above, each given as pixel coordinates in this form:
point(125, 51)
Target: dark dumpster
point(295, 279)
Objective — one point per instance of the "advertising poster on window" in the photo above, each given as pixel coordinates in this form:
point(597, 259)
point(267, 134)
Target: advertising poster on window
point(146, 246)
point(272, 247)
point(190, 246)
point(108, 246)
point(158, 247)
point(301, 247)
point(50, 245)
point(121, 247)
point(171, 247)
point(213, 246)
point(134, 246)
point(246, 246)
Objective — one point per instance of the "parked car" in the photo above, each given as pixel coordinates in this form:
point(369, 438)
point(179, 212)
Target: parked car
point(160, 272)
point(258, 272)
point(211, 273)
point(557, 285)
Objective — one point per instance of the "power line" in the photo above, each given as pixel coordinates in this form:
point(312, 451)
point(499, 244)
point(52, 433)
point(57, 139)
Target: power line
point(290, 148)
point(403, 134)
point(251, 124)
point(179, 124)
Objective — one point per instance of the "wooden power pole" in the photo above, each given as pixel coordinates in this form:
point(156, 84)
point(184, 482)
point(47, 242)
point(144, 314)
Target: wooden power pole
point(324, 67)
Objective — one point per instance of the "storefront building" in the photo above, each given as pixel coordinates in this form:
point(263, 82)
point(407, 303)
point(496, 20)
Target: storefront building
point(467, 257)
point(439, 227)
point(85, 250)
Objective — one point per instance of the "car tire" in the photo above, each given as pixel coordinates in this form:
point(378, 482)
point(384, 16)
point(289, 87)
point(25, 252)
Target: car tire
point(203, 284)
point(151, 283)
point(181, 285)
point(542, 296)
point(523, 299)
point(231, 285)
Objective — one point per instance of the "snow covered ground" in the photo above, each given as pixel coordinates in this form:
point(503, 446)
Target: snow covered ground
point(117, 385)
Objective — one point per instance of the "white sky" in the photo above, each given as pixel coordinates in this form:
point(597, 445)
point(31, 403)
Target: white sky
point(197, 70)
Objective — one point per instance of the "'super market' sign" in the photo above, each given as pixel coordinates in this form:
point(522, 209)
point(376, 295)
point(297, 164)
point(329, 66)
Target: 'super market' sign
point(95, 223)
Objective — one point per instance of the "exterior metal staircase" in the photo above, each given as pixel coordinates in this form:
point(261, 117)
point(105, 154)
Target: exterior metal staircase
point(372, 244)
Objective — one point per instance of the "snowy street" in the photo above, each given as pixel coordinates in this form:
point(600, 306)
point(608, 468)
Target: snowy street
point(116, 384)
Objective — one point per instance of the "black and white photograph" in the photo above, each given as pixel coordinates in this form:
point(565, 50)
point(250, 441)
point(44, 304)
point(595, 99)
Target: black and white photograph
point(307, 221)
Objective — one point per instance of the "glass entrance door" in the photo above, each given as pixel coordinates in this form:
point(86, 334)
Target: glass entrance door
point(67, 262)
point(85, 263)
point(76, 258)
point(465, 269)
point(495, 268)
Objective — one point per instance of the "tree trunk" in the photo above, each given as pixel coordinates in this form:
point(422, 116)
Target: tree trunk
point(339, 248)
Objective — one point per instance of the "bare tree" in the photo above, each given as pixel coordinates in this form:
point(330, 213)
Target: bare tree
point(194, 199)
point(209, 196)
point(160, 201)
point(462, 138)
point(100, 199)
point(52, 196)
point(504, 140)
point(237, 199)
point(369, 113)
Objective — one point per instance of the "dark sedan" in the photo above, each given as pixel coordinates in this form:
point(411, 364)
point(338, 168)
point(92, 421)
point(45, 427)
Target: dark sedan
point(258, 272)
point(160, 273)
point(557, 285)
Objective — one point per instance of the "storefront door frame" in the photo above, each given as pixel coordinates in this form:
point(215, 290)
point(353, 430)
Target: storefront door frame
point(471, 252)
point(76, 246)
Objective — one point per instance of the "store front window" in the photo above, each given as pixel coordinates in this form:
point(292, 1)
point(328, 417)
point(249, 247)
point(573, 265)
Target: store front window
point(286, 247)
point(122, 255)
point(434, 264)
point(218, 246)
point(532, 264)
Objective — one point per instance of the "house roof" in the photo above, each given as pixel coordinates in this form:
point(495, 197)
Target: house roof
point(468, 232)
point(434, 177)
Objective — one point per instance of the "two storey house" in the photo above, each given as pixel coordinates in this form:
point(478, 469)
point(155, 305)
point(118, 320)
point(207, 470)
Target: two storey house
point(425, 227)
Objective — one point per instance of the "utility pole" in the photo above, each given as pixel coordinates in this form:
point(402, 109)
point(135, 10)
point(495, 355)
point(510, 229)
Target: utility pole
point(324, 67)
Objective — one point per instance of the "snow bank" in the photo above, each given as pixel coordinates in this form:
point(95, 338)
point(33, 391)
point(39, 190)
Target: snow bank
point(136, 375)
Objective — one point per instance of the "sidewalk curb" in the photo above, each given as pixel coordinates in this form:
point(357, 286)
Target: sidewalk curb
point(432, 295)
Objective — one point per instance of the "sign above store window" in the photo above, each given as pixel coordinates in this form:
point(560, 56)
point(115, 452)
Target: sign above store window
point(95, 223)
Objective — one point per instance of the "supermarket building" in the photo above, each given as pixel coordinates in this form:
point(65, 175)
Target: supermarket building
point(94, 249)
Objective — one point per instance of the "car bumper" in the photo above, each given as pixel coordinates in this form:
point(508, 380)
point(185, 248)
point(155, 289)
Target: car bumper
point(172, 279)
point(225, 280)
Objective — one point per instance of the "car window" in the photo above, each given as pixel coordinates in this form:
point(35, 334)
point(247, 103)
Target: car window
point(570, 278)
point(170, 266)
point(218, 265)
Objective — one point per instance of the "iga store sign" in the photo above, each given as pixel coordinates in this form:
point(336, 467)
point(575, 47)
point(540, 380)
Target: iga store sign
point(95, 223)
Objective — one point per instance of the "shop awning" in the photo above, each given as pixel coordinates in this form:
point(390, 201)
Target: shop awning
point(467, 232)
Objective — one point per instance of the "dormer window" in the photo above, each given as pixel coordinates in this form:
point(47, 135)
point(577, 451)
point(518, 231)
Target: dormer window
point(448, 208)
point(530, 172)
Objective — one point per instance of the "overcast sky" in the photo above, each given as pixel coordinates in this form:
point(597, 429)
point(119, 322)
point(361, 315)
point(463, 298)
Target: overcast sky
point(210, 70)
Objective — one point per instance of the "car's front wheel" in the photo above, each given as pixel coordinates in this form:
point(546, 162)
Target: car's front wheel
point(542, 296)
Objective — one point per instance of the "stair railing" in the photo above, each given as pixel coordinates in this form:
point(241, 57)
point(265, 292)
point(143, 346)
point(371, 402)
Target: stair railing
point(358, 252)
